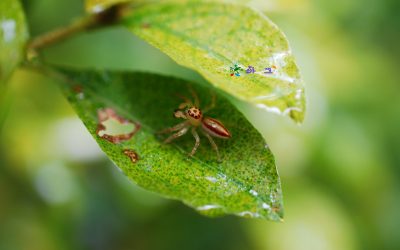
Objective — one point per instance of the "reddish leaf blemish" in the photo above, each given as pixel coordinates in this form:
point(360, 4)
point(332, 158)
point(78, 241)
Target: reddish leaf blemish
point(132, 155)
point(275, 209)
point(77, 89)
point(107, 114)
point(146, 25)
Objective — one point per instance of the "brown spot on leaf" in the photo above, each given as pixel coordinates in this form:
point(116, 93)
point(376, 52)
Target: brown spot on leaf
point(132, 155)
point(77, 89)
point(146, 25)
point(275, 209)
point(121, 129)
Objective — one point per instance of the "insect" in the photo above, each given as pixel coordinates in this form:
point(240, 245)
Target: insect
point(194, 120)
point(235, 70)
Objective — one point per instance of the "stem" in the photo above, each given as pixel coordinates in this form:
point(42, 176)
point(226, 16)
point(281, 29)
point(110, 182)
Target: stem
point(104, 18)
point(63, 33)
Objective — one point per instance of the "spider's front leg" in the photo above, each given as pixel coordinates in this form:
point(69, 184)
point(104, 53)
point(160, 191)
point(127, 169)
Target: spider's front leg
point(212, 104)
point(197, 138)
point(177, 134)
point(174, 128)
point(195, 96)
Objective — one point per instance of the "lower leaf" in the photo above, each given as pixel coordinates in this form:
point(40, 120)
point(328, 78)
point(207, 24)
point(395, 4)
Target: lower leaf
point(245, 183)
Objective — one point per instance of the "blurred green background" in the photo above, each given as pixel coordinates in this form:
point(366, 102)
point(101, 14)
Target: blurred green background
point(340, 170)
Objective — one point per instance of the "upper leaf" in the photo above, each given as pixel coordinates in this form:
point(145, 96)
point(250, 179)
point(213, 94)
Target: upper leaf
point(211, 37)
point(246, 183)
point(13, 36)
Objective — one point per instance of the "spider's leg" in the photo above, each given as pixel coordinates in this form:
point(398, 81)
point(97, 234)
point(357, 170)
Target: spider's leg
point(195, 96)
point(174, 128)
point(214, 146)
point(176, 135)
point(179, 114)
point(212, 104)
point(197, 138)
point(186, 102)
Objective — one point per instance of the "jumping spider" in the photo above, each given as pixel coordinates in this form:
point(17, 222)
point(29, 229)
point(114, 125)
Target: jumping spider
point(193, 115)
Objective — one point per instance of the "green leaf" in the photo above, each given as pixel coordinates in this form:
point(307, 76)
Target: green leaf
point(245, 183)
point(211, 37)
point(13, 36)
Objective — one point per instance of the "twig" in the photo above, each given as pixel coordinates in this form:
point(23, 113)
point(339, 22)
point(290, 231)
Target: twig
point(104, 18)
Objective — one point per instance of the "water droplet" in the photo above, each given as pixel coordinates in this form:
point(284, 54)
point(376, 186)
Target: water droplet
point(298, 95)
point(253, 192)
point(269, 109)
point(248, 214)
point(266, 206)
point(208, 207)
point(212, 179)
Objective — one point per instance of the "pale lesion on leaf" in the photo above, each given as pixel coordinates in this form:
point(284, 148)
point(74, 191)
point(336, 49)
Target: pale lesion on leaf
point(115, 128)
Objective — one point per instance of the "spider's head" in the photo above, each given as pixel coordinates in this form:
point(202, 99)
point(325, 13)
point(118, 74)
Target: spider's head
point(194, 115)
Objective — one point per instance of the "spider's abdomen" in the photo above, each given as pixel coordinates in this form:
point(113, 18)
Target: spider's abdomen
point(215, 128)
